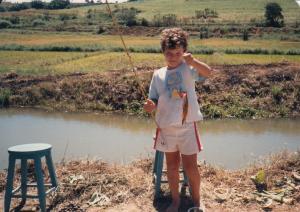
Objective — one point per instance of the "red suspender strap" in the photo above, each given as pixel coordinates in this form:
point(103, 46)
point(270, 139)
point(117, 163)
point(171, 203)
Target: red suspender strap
point(197, 137)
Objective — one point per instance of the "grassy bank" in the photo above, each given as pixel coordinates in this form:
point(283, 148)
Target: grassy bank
point(235, 91)
point(89, 185)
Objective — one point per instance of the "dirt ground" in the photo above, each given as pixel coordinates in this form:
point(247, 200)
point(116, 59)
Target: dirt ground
point(98, 186)
point(234, 91)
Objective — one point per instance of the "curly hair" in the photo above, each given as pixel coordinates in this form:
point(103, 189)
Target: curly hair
point(173, 38)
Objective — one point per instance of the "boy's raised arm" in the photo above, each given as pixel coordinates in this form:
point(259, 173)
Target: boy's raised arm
point(202, 68)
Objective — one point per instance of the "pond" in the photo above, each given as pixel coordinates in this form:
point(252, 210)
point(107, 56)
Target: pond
point(231, 144)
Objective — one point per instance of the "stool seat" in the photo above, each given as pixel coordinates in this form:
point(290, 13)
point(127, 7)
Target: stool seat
point(24, 152)
point(29, 149)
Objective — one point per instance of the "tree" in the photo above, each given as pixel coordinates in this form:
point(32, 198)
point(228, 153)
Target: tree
point(273, 15)
point(37, 4)
point(58, 4)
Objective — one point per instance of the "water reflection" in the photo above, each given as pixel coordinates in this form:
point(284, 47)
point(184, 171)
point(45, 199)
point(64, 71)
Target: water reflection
point(119, 138)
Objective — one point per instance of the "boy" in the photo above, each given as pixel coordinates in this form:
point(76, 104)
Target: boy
point(172, 94)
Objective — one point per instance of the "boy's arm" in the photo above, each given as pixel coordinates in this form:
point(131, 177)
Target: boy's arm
point(202, 68)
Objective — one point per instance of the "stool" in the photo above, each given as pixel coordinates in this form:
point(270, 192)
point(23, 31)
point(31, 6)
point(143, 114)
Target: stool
point(158, 172)
point(25, 152)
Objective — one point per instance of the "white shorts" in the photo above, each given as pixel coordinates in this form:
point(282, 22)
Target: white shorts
point(184, 139)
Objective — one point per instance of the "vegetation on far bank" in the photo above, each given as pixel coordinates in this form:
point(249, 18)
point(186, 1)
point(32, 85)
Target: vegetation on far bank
point(235, 91)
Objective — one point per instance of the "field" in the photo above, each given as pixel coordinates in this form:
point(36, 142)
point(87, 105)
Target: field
point(39, 63)
point(85, 40)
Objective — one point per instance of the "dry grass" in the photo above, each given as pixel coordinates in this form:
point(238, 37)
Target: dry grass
point(116, 186)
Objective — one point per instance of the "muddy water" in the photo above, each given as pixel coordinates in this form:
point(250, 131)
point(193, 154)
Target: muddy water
point(122, 139)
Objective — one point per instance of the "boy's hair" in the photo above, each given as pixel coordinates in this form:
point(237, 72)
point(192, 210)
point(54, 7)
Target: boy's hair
point(173, 38)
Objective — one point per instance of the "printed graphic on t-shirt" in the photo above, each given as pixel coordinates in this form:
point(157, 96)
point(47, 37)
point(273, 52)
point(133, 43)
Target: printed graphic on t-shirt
point(174, 84)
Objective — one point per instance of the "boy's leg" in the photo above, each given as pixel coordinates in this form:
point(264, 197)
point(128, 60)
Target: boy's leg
point(173, 162)
point(190, 166)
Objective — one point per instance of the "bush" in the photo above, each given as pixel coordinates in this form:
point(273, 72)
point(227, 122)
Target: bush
point(127, 16)
point(37, 4)
point(101, 30)
point(245, 34)
point(5, 24)
point(206, 13)
point(2, 9)
point(58, 4)
point(165, 20)
point(273, 15)
point(64, 17)
point(38, 22)
point(14, 19)
point(169, 20)
point(204, 32)
point(19, 7)
point(144, 22)
point(4, 97)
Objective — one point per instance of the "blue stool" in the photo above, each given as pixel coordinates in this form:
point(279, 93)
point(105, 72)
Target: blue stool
point(25, 152)
point(158, 172)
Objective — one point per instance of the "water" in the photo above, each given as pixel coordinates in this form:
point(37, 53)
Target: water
point(121, 139)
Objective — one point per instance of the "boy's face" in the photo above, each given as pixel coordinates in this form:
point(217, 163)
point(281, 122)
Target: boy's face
point(174, 57)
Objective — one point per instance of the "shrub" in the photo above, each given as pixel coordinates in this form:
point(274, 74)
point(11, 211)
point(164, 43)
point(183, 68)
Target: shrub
point(127, 16)
point(169, 20)
point(2, 9)
point(14, 19)
point(273, 15)
point(245, 34)
point(18, 7)
point(206, 13)
point(101, 30)
point(64, 17)
point(144, 22)
point(5, 24)
point(58, 4)
point(4, 97)
point(37, 4)
point(38, 22)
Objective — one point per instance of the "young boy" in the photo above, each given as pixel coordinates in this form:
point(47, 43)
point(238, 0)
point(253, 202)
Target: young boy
point(172, 94)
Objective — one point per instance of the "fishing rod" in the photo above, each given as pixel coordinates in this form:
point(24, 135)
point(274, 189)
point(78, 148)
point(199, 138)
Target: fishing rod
point(141, 88)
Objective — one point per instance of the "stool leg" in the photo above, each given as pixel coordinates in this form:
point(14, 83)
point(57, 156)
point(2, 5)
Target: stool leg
point(9, 183)
point(51, 169)
point(23, 180)
point(159, 170)
point(40, 183)
point(155, 162)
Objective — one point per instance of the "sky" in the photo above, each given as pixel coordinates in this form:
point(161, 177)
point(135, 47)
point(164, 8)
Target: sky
point(72, 1)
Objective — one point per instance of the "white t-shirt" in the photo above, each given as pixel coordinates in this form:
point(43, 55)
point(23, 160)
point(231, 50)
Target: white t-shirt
point(169, 109)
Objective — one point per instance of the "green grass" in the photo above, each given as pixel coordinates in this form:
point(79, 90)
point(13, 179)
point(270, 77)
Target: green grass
point(46, 41)
point(228, 10)
point(24, 62)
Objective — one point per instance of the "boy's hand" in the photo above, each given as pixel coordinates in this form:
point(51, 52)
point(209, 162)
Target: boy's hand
point(149, 106)
point(189, 59)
